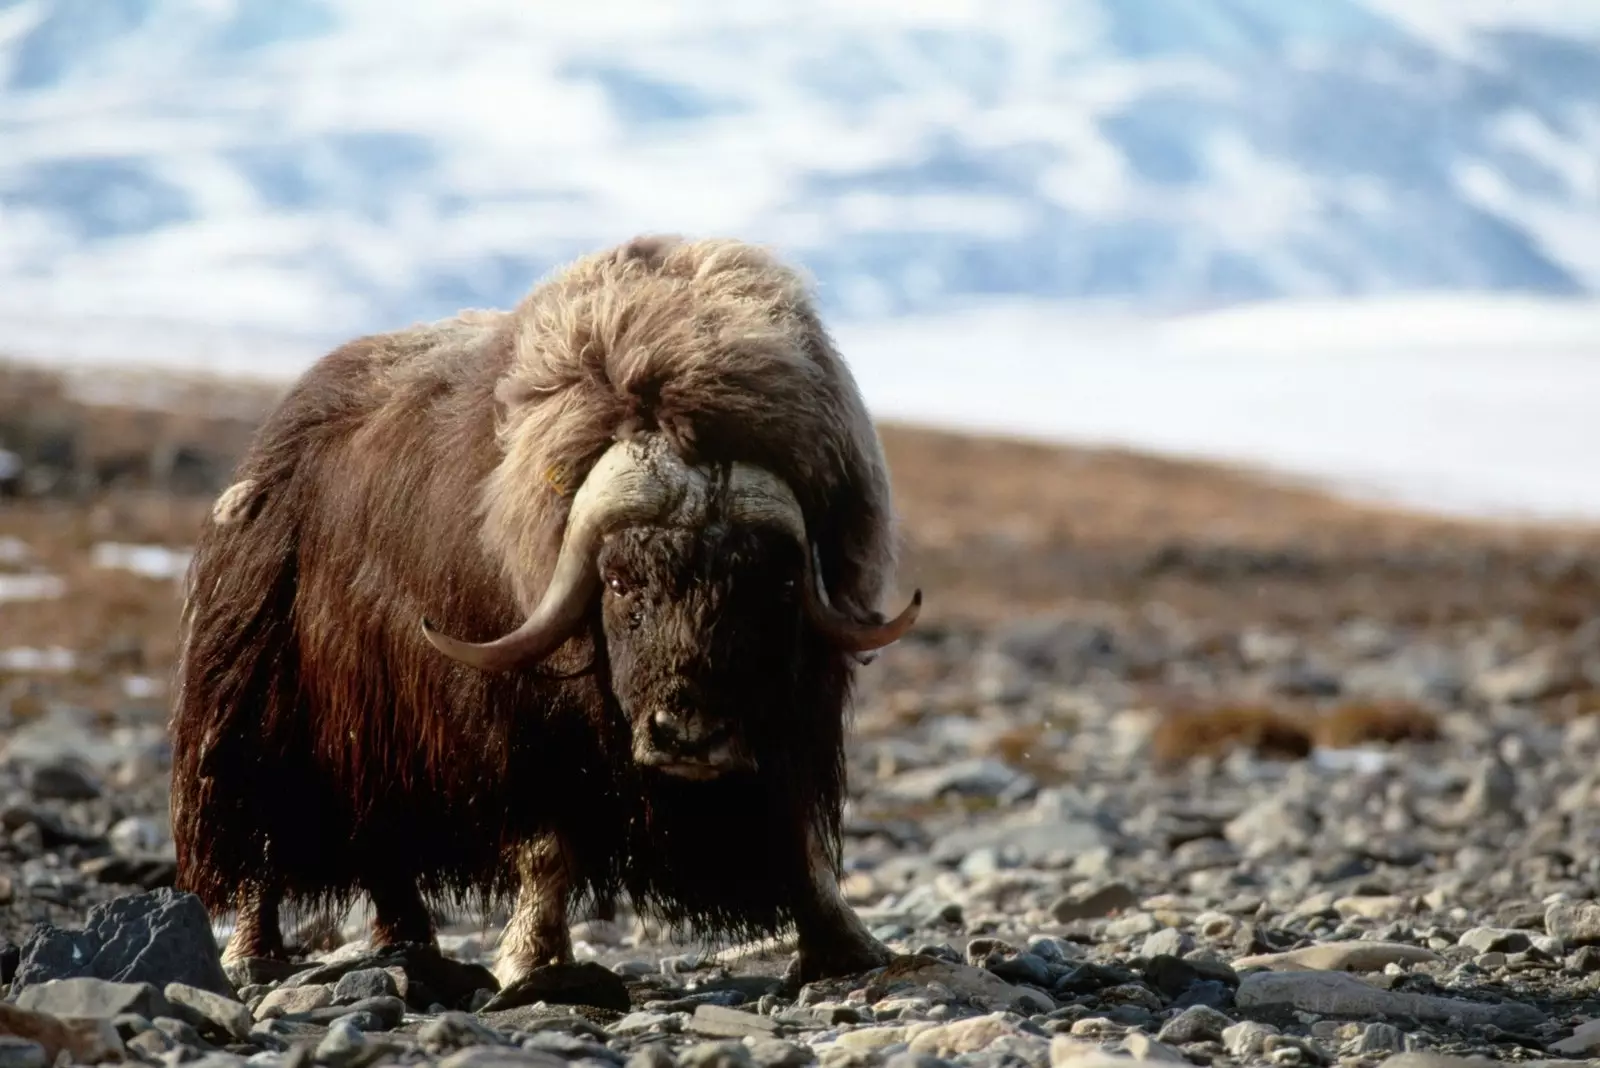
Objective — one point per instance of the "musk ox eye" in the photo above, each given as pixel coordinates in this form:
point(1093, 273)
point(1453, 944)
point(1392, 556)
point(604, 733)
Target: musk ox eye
point(617, 583)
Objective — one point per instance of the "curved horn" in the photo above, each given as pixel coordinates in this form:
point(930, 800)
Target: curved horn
point(629, 483)
point(757, 495)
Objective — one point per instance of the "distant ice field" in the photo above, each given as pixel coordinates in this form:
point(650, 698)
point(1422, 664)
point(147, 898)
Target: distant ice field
point(1467, 405)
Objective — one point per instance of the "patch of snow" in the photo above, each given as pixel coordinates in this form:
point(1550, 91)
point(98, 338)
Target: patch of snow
point(151, 561)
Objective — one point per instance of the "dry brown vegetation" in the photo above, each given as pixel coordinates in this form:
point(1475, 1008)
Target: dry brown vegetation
point(1286, 733)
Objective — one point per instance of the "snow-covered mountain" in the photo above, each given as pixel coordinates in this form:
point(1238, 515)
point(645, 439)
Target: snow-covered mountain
point(316, 168)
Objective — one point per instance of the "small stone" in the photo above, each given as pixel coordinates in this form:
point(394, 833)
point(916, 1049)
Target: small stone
point(1575, 923)
point(502, 1057)
point(779, 1053)
point(1583, 1042)
point(1354, 956)
point(151, 1044)
point(62, 780)
point(1132, 925)
point(1379, 1038)
point(1495, 940)
point(651, 1055)
point(1373, 907)
point(364, 983)
point(716, 1055)
point(209, 1011)
point(1198, 1023)
point(1248, 1039)
point(1169, 941)
point(730, 1023)
point(293, 1000)
point(1145, 1048)
point(97, 998)
point(1586, 959)
point(637, 1023)
point(1341, 994)
point(179, 1030)
point(453, 1030)
point(1102, 902)
point(342, 1045)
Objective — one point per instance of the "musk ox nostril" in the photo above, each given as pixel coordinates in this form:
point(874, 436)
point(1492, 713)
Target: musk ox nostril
point(666, 732)
point(686, 735)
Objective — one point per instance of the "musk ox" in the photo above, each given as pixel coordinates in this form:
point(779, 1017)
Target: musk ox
point(563, 601)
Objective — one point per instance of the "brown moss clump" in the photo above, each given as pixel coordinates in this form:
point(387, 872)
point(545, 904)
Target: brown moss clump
point(1388, 723)
point(1184, 734)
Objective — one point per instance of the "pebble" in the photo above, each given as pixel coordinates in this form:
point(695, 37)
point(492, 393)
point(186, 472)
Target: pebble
point(1341, 994)
point(1197, 1023)
point(293, 1000)
point(1354, 956)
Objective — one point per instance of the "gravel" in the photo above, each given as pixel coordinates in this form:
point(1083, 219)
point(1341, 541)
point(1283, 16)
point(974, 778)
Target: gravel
point(1381, 895)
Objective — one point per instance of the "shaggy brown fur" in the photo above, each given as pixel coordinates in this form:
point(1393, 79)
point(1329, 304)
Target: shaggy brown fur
point(322, 748)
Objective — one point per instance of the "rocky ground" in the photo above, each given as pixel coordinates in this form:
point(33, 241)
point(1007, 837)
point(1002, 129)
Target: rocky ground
point(1184, 765)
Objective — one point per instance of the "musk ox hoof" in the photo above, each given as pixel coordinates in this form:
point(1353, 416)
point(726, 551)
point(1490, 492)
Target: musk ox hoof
point(588, 984)
point(838, 961)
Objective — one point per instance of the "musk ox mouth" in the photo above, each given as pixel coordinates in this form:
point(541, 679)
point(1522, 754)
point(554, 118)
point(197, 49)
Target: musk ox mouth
point(723, 759)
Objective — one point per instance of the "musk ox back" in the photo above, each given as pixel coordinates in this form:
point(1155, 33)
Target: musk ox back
point(563, 601)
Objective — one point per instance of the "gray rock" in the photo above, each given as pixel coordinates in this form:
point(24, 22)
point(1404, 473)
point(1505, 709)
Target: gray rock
point(158, 937)
point(1198, 1023)
point(1379, 1038)
point(1098, 903)
point(364, 983)
point(294, 1000)
point(1575, 923)
point(1342, 994)
point(779, 1053)
point(1247, 1039)
point(725, 1022)
point(1169, 941)
point(1583, 1042)
point(501, 1057)
point(151, 1044)
point(210, 1011)
point(571, 1047)
point(343, 1045)
point(97, 998)
point(1274, 825)
point(717, 1055)
point(1495, 940)
point(454, 1030)
point(63, 779)
point(974, 778)
point(651, 1055)
point(179, 1030)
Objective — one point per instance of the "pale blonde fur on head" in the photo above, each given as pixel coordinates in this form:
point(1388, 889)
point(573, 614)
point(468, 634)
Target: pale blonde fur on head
point(715, 344)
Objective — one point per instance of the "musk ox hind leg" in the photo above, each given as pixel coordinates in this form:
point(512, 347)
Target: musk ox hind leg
point(537, 933)
point(831, 939)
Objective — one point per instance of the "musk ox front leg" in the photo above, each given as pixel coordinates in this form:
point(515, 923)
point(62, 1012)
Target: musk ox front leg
point(832, 940)
point(537, 933)
point(256, 931)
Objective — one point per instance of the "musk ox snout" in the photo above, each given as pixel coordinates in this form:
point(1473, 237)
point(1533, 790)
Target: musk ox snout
point(689, 744)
